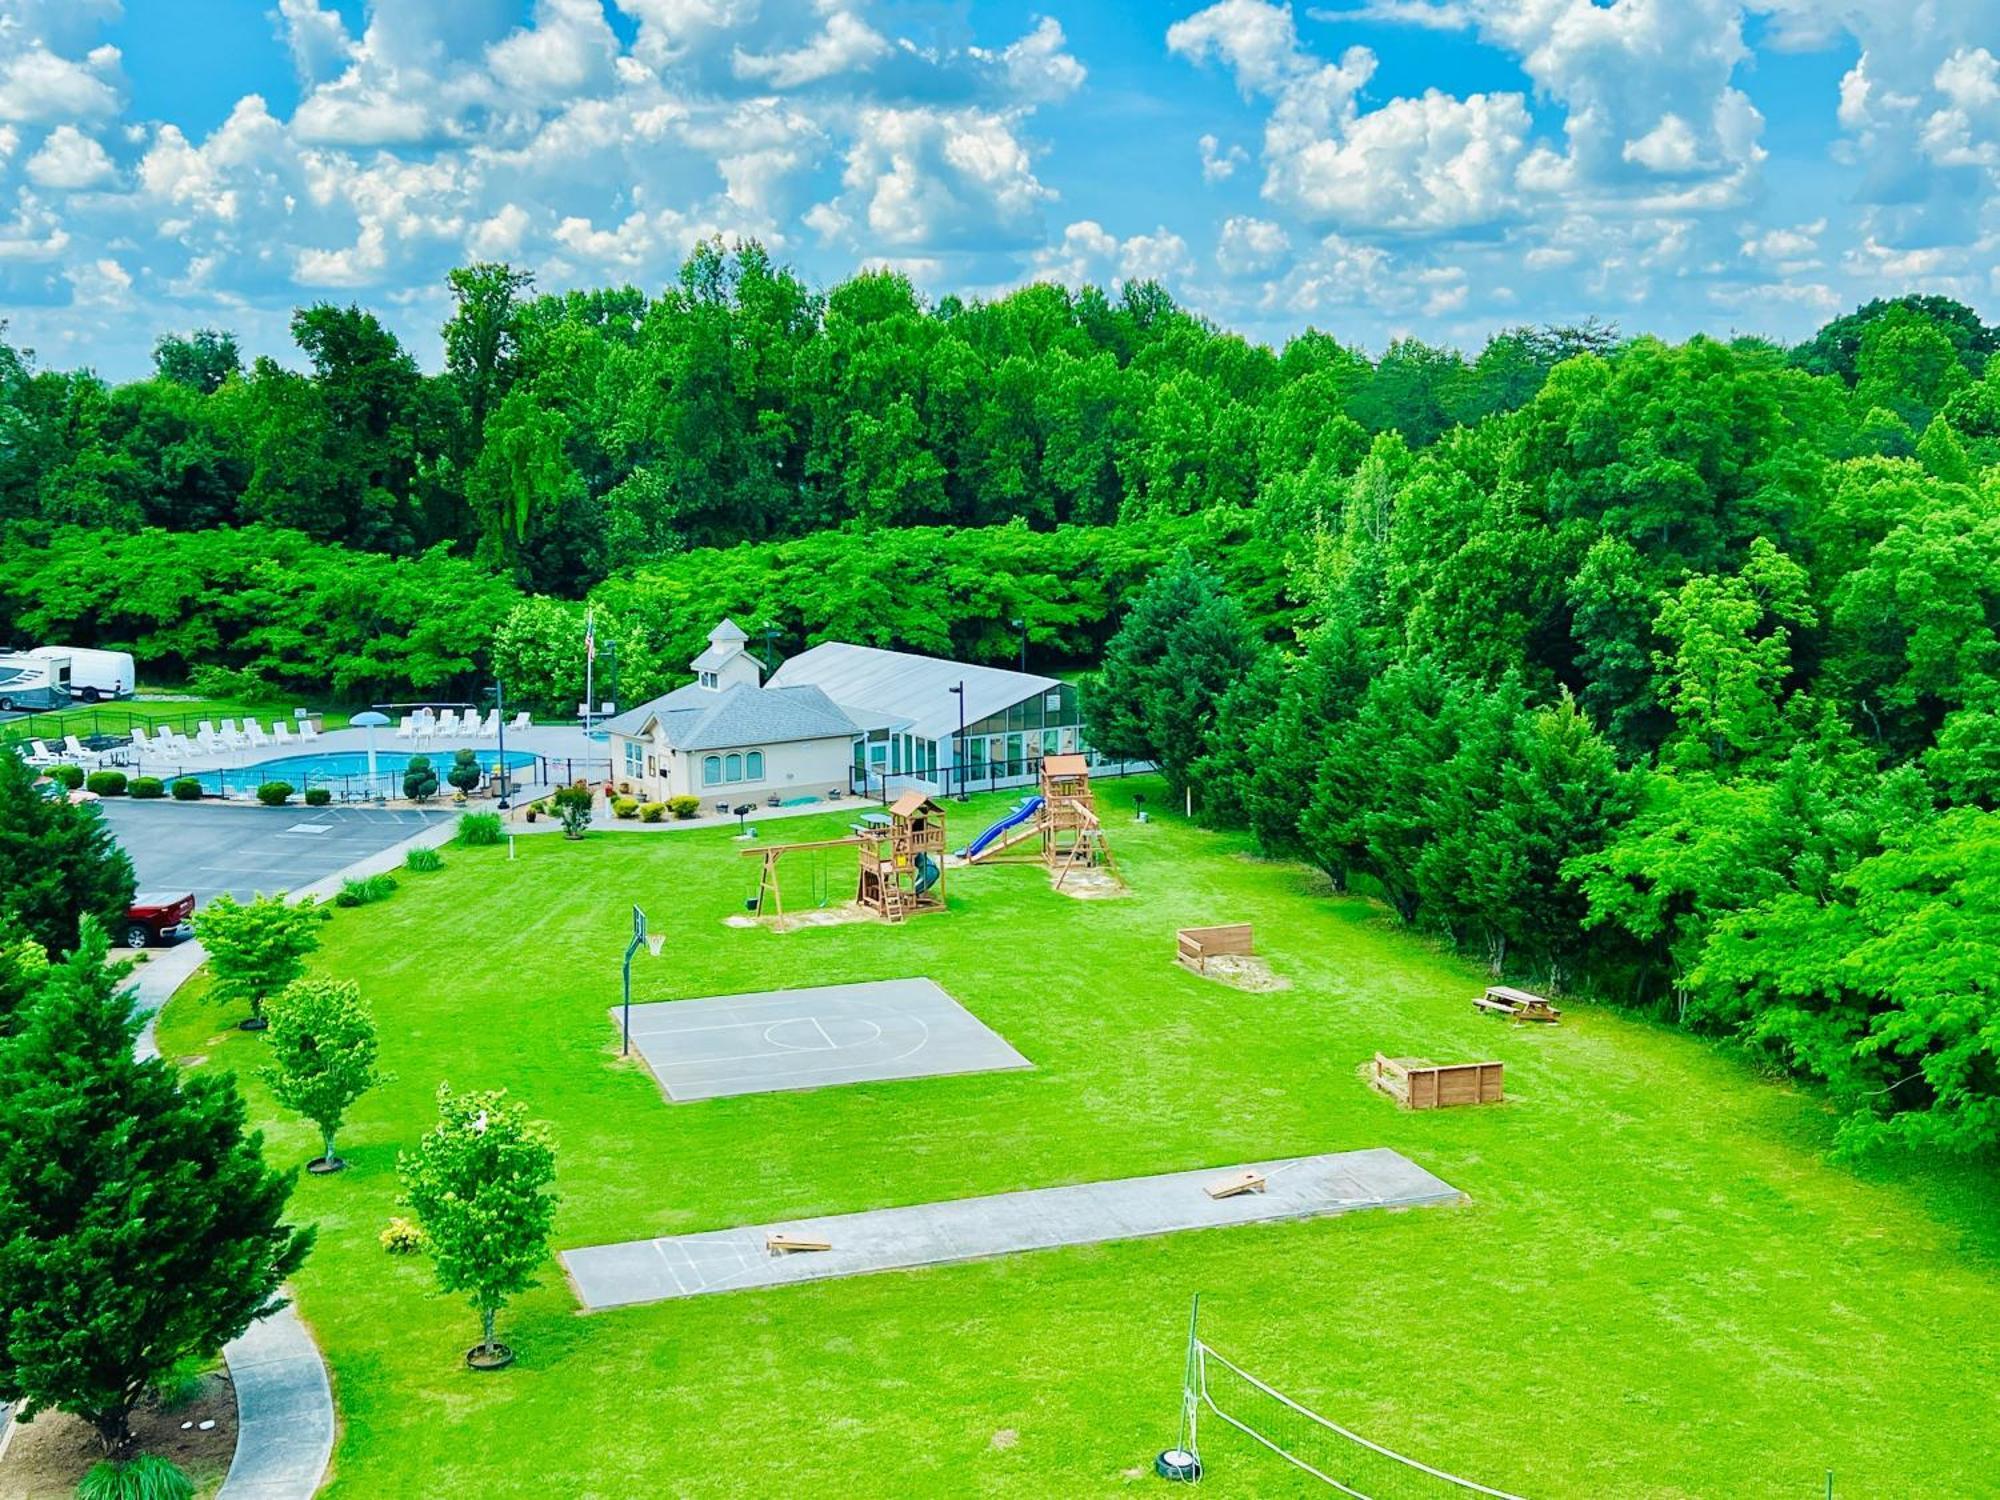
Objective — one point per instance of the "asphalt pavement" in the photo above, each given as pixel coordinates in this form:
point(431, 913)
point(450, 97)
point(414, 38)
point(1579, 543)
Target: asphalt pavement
point(249, 851)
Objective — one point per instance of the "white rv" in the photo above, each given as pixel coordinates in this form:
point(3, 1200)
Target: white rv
point(33, 684)
point(94, 675)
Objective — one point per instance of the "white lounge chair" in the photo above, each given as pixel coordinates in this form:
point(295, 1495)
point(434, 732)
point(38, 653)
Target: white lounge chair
point(447, 724)
point(490, 730)
point(74, 747)
point(308, 730)
point(255, 733)
point(522, 720)
point(233, 737)
point(208, 742)
point(205, 730)
point(281, 732)
point(406, 727)
point(140, 742)
point(38, 754)
point(173, 742)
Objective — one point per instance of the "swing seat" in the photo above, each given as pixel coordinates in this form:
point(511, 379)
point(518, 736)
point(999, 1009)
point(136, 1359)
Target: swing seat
point(750, 903)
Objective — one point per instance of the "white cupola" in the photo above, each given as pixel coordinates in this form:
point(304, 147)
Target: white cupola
point(726, 663)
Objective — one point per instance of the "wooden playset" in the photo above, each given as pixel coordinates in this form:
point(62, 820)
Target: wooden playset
point(1064, 824)
point(902, 858)
point(1195, 946)
point(1517, 1005)
point(1419, 1083)
point(901, 861)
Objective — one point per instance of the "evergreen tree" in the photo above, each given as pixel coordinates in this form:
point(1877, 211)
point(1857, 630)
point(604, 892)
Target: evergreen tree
point(139, 1226)
point(1182, 647)
point(58, 862)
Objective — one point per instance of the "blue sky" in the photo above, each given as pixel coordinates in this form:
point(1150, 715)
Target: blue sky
point(1370, 167)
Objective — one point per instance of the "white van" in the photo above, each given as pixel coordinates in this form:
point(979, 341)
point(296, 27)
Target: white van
point(33, 684)
point(95, 675)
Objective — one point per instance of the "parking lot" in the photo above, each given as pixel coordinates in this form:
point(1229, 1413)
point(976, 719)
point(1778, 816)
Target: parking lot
point(250, 850)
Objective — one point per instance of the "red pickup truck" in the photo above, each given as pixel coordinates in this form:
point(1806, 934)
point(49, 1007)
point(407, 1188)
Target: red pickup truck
point(159, 917)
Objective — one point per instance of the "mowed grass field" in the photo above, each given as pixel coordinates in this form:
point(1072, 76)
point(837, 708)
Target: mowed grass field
point(1661, 1286)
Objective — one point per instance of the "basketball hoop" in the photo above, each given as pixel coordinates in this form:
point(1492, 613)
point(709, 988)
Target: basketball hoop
point(656, 941)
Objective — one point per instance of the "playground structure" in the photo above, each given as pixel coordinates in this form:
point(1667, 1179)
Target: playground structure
point(1516, 1005)
point(901, 865)
point(902, 858)
point(1195, 946)
point(1419, 1083)
point(1062, 816)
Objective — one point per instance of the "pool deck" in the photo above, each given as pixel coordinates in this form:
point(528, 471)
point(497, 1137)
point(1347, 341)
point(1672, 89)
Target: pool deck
point(559, 747)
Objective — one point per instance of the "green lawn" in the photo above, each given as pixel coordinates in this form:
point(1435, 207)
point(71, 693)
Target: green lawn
point(1660, 1286)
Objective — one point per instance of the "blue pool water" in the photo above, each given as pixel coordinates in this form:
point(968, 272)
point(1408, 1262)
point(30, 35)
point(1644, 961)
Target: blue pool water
point(346, 771)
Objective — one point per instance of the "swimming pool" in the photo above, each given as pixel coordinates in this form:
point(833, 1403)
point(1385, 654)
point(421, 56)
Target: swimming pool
point(345, 772)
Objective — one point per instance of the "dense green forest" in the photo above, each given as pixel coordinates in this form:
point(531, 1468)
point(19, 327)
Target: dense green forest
point(1668, 673)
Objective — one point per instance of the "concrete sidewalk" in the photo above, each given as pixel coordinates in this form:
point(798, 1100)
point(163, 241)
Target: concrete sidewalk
point(928, 1234)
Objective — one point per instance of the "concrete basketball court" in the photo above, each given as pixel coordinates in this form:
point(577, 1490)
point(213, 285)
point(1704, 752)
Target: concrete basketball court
point(812, 1038)
point(928, 1234)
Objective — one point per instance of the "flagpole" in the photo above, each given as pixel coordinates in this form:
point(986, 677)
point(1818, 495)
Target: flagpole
point(589, 668)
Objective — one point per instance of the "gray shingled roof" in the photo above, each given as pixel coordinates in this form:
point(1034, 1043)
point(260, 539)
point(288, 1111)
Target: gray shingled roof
point(869, 682)
point(697, 718)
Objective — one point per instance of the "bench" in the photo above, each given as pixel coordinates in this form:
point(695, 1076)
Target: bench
point(785, 1244)
point(1195, 946)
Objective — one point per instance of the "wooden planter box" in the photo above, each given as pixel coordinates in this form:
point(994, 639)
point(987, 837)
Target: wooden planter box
point(1419, 1083)
point(1197, 945)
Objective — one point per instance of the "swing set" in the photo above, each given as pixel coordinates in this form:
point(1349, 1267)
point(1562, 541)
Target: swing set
point(769, 897)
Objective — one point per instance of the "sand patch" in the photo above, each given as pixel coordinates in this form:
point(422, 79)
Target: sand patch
point(1244, 971)
point(837, 915)
point(1091, 885)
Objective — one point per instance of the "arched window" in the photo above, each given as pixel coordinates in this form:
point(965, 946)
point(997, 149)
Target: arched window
point(711, 770)
point(733, 768)
point(753, 766)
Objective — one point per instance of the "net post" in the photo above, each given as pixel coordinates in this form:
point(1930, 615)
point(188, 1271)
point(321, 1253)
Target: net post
point(1191, 1380)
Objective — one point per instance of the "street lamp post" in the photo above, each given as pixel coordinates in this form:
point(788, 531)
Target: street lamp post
point(501, 778)
point(958, 749)
point(639, 935)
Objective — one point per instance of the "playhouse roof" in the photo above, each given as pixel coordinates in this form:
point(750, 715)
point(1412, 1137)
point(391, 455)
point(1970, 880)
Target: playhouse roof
point(1065, 765)
point(911, 803)
point(870, 683)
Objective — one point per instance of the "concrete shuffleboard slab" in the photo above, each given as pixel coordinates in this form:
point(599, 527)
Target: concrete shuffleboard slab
point(927, 1234)
point(812, 1038)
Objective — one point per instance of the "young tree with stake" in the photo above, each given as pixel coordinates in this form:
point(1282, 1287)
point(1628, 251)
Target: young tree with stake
point(480, 1186)
point(322, 1055)
point(256, 948)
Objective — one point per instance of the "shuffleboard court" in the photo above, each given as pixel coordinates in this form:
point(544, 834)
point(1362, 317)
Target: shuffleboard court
point(812, 1038)
point(926, 1234)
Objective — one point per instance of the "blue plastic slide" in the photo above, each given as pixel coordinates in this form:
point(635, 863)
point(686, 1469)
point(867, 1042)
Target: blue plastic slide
point(1028, 808)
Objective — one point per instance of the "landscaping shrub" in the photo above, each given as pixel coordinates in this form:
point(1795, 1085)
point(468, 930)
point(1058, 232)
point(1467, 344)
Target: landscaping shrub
point(480, 828)
point(625, 807)
point(402, 1237)
point(573, 804)
point(318, 796)
point(365, 891)
point(652, 812)
point(275, 793)
point(465, 771)
point(147, 788)
point(186, 789)
point(106, 783)
point(423, 861)
point(68, 775)
point(147, 1477)
point(420, 779)
point(684, 806)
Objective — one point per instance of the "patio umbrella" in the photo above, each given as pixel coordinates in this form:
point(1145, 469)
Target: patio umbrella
point(370, 721)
